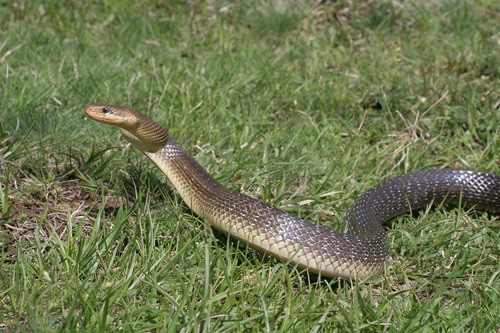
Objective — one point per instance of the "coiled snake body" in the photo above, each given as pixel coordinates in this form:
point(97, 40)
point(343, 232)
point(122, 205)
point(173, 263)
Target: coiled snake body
point(358, 254)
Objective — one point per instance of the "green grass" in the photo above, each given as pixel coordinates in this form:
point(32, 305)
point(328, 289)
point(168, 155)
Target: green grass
point(304, 106)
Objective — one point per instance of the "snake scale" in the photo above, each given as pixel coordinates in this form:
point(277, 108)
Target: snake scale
point(358, 254)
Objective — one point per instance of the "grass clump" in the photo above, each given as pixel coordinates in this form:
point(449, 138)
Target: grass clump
point(303, 105)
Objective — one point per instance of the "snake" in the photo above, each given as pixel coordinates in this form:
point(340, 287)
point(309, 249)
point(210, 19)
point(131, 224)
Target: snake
point(359, 253)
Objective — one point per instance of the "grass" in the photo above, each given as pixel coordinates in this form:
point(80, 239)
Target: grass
point(305, 106)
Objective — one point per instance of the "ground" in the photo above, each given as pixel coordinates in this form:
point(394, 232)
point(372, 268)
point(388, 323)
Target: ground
point(303, 105)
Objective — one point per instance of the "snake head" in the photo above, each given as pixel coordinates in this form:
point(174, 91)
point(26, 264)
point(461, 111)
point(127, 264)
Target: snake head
point(141, 131)
point(114, 115)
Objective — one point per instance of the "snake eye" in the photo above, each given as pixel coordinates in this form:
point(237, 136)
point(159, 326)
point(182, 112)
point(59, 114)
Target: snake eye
point(106, 110)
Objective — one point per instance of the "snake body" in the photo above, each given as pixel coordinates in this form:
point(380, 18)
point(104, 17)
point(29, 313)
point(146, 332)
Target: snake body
point(358, 254)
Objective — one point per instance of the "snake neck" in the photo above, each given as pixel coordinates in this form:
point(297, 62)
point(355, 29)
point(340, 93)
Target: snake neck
point(143, 133)
point(187, 176)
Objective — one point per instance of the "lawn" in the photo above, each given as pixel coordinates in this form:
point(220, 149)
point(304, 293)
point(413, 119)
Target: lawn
point(302, 104)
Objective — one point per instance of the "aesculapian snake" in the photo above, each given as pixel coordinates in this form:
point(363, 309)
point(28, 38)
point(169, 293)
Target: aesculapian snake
point(358, 254)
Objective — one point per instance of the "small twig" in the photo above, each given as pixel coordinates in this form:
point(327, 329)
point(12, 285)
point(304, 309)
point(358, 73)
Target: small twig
point(9, 52)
